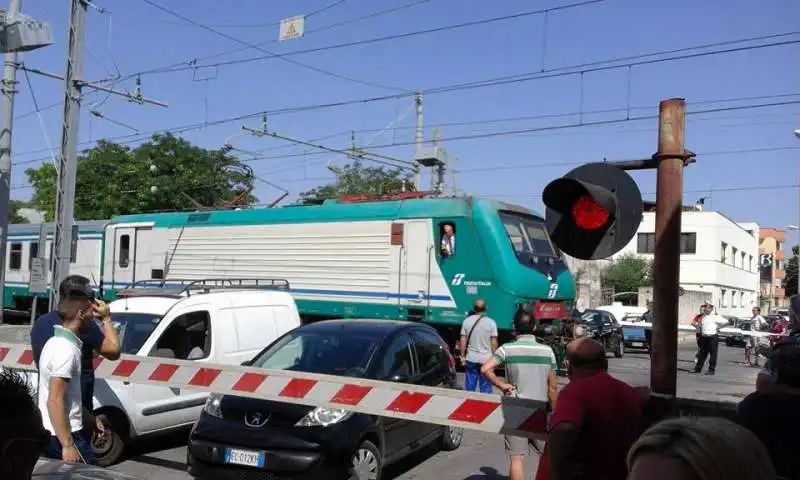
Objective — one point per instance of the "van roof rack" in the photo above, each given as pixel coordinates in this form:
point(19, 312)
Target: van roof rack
point(184, 287)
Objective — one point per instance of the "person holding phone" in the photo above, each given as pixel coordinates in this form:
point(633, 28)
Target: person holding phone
point(95, 337)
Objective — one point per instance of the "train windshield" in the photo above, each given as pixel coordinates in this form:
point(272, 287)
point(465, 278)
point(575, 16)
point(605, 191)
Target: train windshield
point(527, 235)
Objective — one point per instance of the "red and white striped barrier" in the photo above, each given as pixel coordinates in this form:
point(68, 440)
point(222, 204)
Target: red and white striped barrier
point(457, 408)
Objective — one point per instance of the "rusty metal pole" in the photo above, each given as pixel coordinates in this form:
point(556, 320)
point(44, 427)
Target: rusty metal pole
point(671, 158)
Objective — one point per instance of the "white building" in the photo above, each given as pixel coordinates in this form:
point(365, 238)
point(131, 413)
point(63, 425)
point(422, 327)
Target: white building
point(718, 256)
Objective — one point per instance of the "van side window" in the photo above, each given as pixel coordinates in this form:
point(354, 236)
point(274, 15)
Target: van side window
point(15, 256)
point(447, 239)
point(124, 250)
point(188, 338)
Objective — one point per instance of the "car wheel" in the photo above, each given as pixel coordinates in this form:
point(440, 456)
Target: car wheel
point(366, 463)
point(620, 350)
point(108, 449)
point(451, 439)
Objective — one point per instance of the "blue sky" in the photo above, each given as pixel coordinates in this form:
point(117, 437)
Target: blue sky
point(761, 150)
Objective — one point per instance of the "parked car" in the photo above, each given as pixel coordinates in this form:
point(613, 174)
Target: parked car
point(738, 340)
point(240, 437)
point(603, 327)
point(634, 337)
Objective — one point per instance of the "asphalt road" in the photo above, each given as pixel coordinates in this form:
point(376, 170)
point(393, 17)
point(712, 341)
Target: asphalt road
point(481, 455)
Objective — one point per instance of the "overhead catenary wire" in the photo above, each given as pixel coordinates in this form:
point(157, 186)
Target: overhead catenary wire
point(262, 25)
point(569, 70)
point(550, 128)
point(262, 49)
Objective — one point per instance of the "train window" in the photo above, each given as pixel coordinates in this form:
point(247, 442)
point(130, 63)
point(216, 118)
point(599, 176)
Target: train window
point(124, 251)
point(15, 257)
point(528, 235)
point(33, 252)
point(447, 236)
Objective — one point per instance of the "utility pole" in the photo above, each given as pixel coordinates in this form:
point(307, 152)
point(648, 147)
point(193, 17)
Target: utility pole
point(68, 160)
point(7, 107)
point(19, 34)
point(671, 157)
point(419, 137)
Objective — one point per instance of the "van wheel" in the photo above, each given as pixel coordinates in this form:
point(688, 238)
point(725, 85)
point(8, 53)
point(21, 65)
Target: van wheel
point(109, 448)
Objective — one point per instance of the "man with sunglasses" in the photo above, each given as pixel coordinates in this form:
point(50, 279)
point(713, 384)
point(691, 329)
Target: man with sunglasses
point(22, 435)
point(61, 362)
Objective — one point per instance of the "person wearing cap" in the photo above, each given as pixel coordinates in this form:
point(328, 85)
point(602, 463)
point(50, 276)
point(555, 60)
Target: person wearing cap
point(102, 339)
point(60, 361)
point(766, 377)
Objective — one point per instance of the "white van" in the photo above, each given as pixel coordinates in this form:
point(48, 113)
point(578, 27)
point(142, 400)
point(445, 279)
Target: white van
point(217, 325)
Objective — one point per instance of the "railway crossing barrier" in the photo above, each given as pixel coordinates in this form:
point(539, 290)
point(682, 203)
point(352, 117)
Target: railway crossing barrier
point(456, 408)
point(689, 328)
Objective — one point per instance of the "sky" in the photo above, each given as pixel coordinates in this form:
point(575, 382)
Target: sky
point(570, 110)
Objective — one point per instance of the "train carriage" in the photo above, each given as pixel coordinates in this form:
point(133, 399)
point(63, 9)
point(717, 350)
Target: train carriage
point(357, 257)
point(23, 246)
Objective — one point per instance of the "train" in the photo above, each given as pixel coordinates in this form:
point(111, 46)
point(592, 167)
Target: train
point(349, 257)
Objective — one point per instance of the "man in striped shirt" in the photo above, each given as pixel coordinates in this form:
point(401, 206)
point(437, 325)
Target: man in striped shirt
point(530, 373)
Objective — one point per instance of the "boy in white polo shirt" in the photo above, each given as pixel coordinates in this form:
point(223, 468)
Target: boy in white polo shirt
point(60, 399)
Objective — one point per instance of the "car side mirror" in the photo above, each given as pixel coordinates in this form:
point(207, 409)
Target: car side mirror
point(399, 378)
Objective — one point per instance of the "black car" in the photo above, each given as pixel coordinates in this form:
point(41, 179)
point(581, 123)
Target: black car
point(602, 326)
point(240, 437)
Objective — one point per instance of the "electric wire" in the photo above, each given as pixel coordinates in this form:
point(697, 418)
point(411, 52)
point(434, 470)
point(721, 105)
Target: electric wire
point(262, 25)
point(271, 54)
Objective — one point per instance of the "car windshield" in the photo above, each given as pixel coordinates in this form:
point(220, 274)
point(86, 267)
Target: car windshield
point(331, 353)
point(134, 329)
point(528, 235)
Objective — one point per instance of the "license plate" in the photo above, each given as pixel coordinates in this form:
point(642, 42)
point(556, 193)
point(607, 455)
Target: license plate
point(244, 457)
point(637, 344)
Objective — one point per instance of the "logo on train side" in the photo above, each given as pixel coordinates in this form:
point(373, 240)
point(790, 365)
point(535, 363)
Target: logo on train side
point(458, 279)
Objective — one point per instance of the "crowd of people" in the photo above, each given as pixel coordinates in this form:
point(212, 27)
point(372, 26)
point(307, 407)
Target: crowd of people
point(597, 425)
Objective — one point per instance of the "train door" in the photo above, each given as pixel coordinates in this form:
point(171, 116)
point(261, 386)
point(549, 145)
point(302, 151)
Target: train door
point(132, 255)
point(416, 269)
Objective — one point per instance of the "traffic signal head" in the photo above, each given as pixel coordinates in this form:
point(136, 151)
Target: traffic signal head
point(593, 211)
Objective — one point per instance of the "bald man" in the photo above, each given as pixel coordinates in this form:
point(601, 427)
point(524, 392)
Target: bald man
point(477, 345)
point(596, 420)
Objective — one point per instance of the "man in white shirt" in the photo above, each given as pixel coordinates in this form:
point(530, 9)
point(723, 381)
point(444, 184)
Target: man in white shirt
point(757, 324)
point(60, 398)
point(709, 342)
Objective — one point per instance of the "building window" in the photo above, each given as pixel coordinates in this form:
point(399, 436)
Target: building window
point(723, 257)
point(750, 262)
point(15, 257)
point(734, 254)
point(722, 294)
point(778, 265)
point(646, 243)
point(744, 264)
point(688, 243)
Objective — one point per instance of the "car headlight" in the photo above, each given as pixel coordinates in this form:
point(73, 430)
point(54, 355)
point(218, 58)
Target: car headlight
point(322, 417)
point(213, 405)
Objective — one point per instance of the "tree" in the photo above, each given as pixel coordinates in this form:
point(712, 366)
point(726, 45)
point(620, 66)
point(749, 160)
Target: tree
point(115, 179)
point(790, 281)
point(355, 179)
point(13, 209)
point(628, 273)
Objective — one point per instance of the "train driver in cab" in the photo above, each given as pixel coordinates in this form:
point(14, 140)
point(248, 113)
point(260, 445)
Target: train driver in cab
point(448, 246)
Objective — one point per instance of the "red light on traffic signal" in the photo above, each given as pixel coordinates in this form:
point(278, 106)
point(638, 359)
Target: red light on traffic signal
point(588, 214)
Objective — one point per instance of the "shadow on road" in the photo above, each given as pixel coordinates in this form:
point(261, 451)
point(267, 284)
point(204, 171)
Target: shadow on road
point(142, 451)
point(487, 473)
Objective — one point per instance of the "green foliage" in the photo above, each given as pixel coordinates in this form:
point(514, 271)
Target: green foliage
point(355, 179)
point(114, 179)
point(790, 282)
point(14, 216)
point(628, 273)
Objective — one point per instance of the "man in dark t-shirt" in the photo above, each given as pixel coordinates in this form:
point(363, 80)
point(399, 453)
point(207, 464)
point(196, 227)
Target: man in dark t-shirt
point(103, 340)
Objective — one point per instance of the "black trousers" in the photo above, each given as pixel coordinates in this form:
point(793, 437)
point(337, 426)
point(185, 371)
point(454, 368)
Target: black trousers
point(709, 345)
